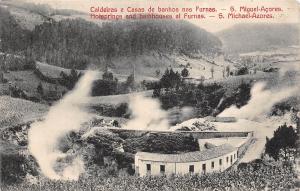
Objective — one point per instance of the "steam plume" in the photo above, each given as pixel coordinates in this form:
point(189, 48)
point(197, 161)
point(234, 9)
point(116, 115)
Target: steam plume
point(67, 115)
point(261, 102)
point(147, 114)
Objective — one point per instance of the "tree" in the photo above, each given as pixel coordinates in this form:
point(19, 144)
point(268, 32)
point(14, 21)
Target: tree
point(157, 73)
point(69, 80)
point(170, 79)
point(212, 70)
point(227, 71)
point(107, 76)
point(40, 89)
point(104, 87)
point(242, 95)
point(242, 71)
point(283, 143)
point(29, 61)
point(74, 75)
point(156, 92)
point(1, 77)
point(121, 110)
point(185, 73)
point(223, 73)
point(202, 79)
point(115, 123)
point(130, 81)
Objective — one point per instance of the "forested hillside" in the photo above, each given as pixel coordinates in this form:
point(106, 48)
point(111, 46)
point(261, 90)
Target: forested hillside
point(76, 43)
point(12, 37)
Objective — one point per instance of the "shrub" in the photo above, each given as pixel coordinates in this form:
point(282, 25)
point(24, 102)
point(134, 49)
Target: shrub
point(14, 168)
point(242, 71)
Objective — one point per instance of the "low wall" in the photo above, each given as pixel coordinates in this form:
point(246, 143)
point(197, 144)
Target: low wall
point(195, 134)
point(242, 149)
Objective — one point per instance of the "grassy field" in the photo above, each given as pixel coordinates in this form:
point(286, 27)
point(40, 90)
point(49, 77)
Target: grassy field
point(14, 111)
point(54, 72)
point(235, 81)
point(50, 70)
point(273, 79)
point(28, 82)
point(117, 99)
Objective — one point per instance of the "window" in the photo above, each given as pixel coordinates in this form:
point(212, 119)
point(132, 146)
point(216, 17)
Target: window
point(148, 167)
point(191, 169)
point(212, 164)
point(162, 168)
point(231, 159)
point(203, 168)
point(227, 159)
point(234, 156)
point(220, 161)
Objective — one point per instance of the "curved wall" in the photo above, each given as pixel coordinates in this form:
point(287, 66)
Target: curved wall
point(182, 168)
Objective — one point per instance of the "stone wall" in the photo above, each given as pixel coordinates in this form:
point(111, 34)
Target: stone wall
point(195, 134)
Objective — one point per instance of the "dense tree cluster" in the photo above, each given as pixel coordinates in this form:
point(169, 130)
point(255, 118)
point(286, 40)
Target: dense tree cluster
point(161, 143)
point(238, 97)
point(283, 144)
point(69, 80)
point(242, 71)
point(109, 85)
point(206, 99)
point(104, 87)
point(170, 79)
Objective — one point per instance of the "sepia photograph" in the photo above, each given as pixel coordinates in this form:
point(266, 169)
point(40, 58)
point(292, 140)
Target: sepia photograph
point(149, 95)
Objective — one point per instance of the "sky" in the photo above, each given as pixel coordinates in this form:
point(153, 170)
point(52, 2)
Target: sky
point(290, 13)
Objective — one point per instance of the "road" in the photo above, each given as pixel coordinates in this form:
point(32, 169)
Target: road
point(261, 131)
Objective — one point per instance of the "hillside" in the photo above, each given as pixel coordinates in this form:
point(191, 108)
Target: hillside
point(12, 36)
point(78, 43)
point(28, 15)
point(15, 111)
point(243, 38)
point(66, 39)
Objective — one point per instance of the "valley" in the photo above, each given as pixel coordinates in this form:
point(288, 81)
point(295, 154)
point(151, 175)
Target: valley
point(81, 100)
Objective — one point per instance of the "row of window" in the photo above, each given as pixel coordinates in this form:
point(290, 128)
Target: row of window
point(192, 168)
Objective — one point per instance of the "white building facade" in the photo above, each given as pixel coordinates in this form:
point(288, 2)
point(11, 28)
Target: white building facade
point(216, 159)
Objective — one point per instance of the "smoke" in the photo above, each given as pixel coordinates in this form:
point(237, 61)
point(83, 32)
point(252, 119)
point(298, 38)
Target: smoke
point(147, 114)
point(263, 99)
point(261, 102)
point(64, 117)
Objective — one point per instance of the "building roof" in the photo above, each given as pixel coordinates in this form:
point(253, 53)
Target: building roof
point(189, 156)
